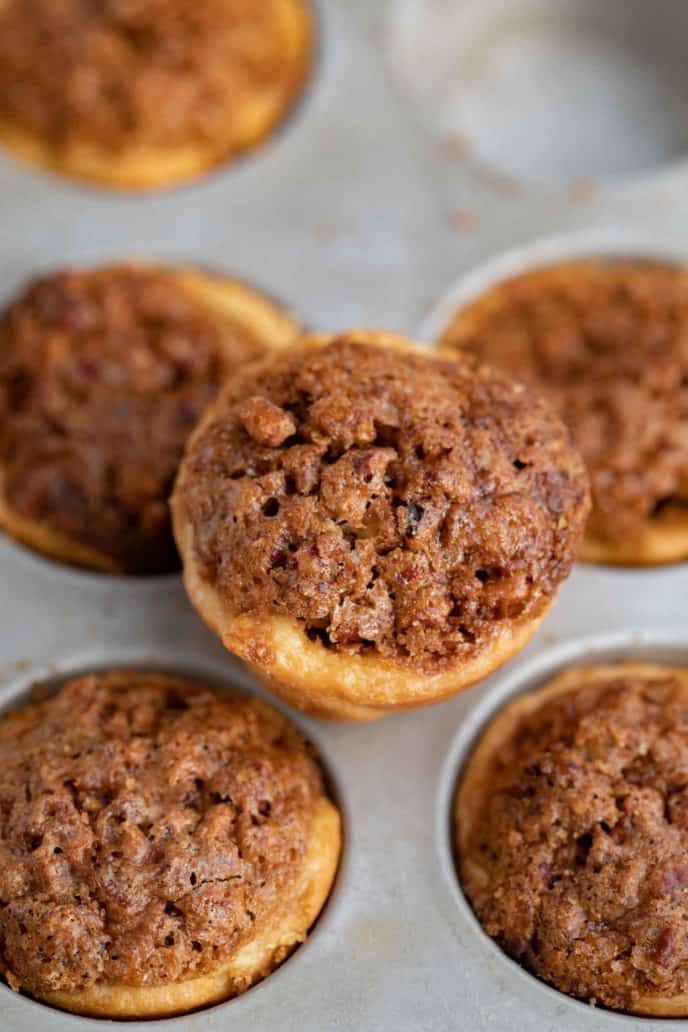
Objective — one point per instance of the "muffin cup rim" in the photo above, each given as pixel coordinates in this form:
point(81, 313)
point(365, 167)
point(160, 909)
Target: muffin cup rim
point(606, 242)
point(629, 645)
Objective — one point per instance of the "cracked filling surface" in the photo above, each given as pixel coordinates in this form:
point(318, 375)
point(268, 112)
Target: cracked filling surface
point(577, 858)
point(103, 374)
point(390, 502)
point(608, 344)
point(145, 842)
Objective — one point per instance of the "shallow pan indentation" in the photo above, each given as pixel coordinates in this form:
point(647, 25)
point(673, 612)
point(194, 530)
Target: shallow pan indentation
point(548, 90)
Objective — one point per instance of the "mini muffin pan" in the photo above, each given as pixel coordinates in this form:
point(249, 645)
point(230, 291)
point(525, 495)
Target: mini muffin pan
point(355, 214)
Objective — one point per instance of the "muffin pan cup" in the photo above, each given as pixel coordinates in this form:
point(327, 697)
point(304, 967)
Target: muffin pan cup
point(346, 216)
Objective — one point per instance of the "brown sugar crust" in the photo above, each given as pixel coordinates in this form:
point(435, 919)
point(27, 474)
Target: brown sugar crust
point(372, 525)
point(607, 342)
point(165, 851)
point(572, 834)
point(102, 376)
point(140, 94)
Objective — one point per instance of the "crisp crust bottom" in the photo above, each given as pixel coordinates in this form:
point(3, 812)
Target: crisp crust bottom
point(224, 299)
point(476, 779)
point(251, 963)
point(150, 168)
point(303, 672)
point(662, 539)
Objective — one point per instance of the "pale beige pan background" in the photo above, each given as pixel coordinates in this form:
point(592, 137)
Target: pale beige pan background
point(348, 218)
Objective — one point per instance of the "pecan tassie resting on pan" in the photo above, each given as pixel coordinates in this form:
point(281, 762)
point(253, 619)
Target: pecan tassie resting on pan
point(607, 343)
point(572, 835)
point(103, 374)
point(372, 525)
point(164, 852)
point(144, 94)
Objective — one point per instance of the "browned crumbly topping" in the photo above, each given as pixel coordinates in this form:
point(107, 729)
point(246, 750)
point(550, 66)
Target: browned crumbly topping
point(391, 502)
point(582, 841)
point(137, 72)
point(146, 841)
point(608, 343)
point(102, 376)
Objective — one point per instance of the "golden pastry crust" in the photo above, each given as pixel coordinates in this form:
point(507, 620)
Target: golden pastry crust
point(663, 540)
point(346, 684)
point(50, 542)
point(253, 962)
point(176, 845)
point(246, 322)
point(323, 683)
point(496, 757)
point(605, 341)
point(268, 61)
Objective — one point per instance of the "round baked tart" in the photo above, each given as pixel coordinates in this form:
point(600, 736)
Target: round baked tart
point(374, 526)
point(164, 852)
point(571, 823)
point(605, 341)
point(103, 374)
point(144, 94)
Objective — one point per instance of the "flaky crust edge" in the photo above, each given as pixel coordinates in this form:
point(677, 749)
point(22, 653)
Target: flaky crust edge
point(303, 672)
point(156, 168)
point(225, 299)
point(475, 779)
